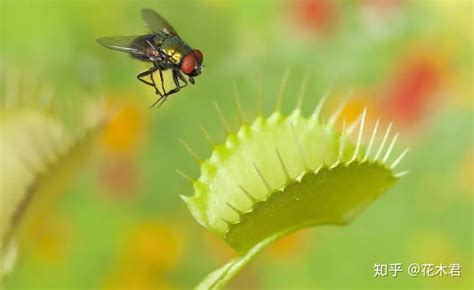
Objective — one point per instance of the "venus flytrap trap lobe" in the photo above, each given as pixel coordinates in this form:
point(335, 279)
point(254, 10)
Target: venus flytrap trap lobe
point(279, 174)
point(40, 154)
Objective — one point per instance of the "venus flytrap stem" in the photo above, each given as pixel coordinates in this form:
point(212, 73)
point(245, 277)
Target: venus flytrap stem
point(222, 276)
point(280, 174)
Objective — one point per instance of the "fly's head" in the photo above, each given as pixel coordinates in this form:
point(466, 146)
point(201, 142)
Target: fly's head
point(191, 65)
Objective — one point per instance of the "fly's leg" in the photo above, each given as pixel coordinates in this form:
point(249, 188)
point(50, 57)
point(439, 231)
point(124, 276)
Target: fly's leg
point(146, 73)
point(163, 84)
point(152, 83)
point(176, 82)
point(157, 52)
point(153, 46)
point(181, 77)
point(160, 99)
point(157, 91)
point(165, 97)
point(176, 77)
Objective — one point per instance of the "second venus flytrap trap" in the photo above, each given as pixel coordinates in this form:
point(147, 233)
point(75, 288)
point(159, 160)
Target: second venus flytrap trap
point(278, 174)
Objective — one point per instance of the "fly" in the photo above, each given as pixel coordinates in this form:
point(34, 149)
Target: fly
point(164, 49)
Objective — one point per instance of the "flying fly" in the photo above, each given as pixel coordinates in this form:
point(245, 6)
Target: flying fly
point(164, 49)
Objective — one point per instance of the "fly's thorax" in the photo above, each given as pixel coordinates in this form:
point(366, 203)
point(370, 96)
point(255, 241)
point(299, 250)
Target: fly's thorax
point(175, 48)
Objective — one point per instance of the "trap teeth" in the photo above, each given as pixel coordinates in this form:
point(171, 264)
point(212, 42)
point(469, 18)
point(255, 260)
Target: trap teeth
point(283, 173)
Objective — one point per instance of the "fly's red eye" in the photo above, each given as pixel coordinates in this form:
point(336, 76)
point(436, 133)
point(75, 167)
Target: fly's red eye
point(199, 56)
point(188, 63)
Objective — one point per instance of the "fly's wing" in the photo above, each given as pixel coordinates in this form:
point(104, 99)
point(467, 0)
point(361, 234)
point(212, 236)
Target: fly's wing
point(128, 44)
point(156, 23)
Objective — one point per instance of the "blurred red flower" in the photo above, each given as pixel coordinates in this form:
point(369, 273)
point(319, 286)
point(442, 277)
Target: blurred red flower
point(316, 15)
point(121, 140)
point(411, 93)
point(120, 176)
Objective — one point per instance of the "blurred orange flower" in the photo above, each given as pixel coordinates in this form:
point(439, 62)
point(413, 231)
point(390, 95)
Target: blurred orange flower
point(155, 245)
point(290, 246)
point(125, 130)
point(150, 251)
point(354, 108)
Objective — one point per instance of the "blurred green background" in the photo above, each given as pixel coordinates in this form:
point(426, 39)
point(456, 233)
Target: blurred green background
point(121, 224)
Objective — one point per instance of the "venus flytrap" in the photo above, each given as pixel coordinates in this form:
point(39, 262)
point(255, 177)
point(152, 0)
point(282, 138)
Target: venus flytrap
point(280, 174)
point(39, 155)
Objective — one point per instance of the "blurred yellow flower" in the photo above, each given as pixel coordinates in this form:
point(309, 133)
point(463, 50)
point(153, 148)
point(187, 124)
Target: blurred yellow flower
point(150, 251)
point(47, 237)
point(133, 280)
point(155, 244)
point(353, 108)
